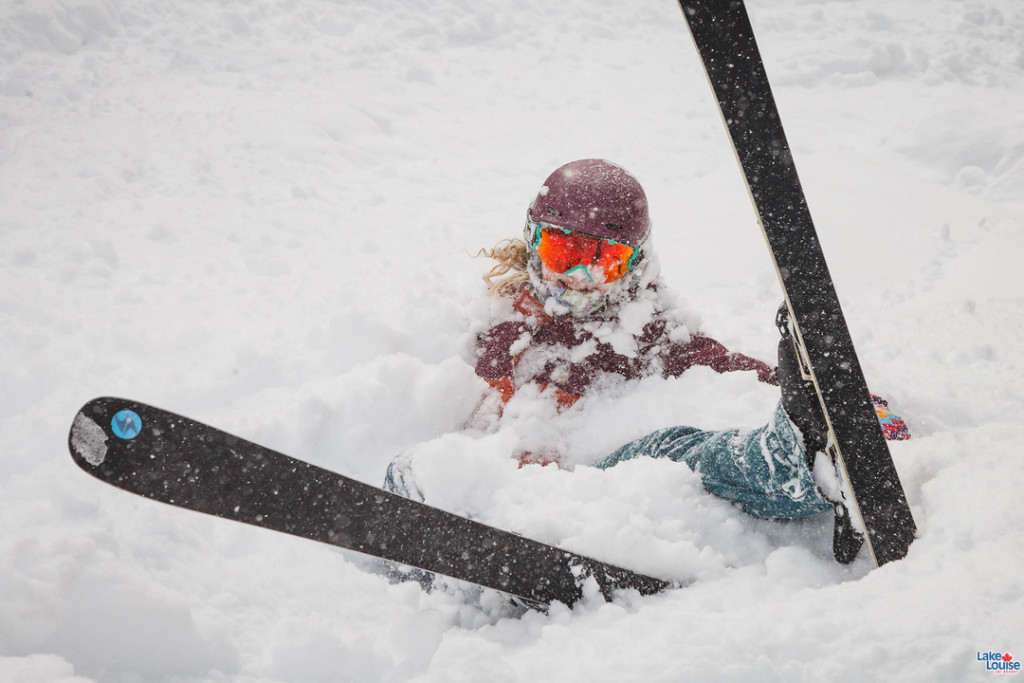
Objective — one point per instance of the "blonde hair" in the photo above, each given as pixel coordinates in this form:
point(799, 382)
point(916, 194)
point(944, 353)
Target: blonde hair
point(509, 274)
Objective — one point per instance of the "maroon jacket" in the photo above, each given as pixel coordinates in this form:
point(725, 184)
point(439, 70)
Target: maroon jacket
point(503, 346)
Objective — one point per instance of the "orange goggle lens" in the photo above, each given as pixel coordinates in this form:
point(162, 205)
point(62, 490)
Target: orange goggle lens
point(563, 250)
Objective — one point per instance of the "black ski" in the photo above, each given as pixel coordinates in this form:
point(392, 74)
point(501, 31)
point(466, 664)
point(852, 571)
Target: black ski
point(179, 461)
point(724, 38)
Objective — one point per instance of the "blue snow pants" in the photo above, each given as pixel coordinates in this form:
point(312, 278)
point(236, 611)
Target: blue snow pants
point(764, 471)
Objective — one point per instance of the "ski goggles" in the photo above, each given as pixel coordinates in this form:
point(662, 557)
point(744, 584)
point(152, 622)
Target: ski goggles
point(564, 251)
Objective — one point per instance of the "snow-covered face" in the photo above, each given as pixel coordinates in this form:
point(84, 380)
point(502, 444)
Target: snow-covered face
point(588, 272)
point(578, 279)
point(583, 291)
point(574, 292)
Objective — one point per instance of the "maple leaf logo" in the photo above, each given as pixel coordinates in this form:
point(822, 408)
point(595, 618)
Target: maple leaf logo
point(1007, 657)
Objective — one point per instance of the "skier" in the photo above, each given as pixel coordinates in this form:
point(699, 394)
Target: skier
point(588, 307)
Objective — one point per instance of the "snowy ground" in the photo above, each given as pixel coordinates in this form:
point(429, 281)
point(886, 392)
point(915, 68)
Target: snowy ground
point(261, 215)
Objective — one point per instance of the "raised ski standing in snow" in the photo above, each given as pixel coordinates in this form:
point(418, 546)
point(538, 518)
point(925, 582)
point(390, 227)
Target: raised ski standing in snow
point(724, 38)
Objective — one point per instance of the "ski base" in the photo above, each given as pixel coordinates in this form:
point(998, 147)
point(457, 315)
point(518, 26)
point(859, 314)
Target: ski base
point(172, 459)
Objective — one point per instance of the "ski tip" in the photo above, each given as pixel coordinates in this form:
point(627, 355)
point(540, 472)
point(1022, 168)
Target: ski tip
point(96, 424)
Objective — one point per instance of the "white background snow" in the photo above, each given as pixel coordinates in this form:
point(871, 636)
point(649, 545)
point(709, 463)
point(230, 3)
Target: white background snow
point(262, 215)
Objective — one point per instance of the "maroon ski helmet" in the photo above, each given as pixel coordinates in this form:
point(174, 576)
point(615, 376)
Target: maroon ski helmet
point(597, 198)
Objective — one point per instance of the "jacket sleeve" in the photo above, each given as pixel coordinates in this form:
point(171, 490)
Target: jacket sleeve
point(497, 355)
point(499, 351)
point(708, 352)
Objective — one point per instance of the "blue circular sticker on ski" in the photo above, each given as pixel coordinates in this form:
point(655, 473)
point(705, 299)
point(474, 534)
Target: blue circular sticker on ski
point(126, 424)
